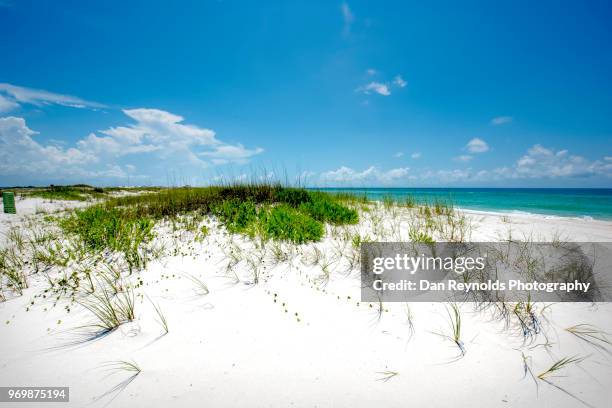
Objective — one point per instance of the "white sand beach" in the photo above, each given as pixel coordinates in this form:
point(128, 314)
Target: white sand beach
point(282, 325)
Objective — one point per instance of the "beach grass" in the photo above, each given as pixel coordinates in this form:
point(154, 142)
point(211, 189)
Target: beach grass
point(125, 223)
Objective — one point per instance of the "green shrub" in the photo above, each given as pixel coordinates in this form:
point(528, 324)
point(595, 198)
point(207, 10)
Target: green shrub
point(235, 214)
point(286, 223)
point(293, 196)
point(323, 209)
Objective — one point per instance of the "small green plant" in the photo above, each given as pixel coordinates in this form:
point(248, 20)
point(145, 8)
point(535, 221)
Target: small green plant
point(419, 236)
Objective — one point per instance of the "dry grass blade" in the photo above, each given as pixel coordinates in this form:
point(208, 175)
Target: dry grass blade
point(201, 286)
point(559, 365)
point(386, 375)
point(162, 318)
point(592, 335)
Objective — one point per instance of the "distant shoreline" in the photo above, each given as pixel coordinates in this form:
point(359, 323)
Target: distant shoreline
point(579, 203)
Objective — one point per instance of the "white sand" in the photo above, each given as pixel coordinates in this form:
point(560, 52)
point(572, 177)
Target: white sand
point(236, 347)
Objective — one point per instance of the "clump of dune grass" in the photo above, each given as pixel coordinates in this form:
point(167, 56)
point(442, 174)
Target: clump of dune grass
point(110, 311)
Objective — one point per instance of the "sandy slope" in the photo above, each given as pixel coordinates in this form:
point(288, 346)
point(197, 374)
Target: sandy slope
point(237, 346)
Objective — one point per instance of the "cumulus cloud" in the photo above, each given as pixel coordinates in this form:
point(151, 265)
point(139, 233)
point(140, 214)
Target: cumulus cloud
point(416, 155)
point(21, 154)
point(154, 132)
point(542, 162)
point(371, 71)
point(346, 174)
point(501, 120)
point(477, 145)
point(377, 87)
point(14, 96)
point(398, 155)
point(165, 134)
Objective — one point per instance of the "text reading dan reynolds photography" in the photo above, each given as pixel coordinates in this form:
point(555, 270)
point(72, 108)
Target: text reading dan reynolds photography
point(506, 271)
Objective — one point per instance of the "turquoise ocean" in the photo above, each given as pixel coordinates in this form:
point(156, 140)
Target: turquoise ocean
point(565, 202)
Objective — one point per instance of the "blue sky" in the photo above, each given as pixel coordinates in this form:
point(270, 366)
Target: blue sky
point(355, 93)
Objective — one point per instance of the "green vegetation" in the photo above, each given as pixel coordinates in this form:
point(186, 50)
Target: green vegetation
point(110, 310)
point(559, 365)
point(288, 224)
point(323, 208)
point(124, 224)
point(237, 215)
point(114, 228)
point(70, 193)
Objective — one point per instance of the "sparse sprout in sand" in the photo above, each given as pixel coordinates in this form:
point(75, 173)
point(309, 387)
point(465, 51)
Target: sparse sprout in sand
point(454, 319)
point(161, 316)
point(559, 365)
point(409, 321)
point(200, 285)
point(592, 335)
point(386, 375)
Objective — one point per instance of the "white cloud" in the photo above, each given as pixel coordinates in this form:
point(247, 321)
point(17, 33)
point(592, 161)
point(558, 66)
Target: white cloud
point(416, 155)
point(164, 133)
point(378, 87)
point(155, 132)
point(501, 120)
point(18, 95)
point(21, 154)
point(381, 88)
point(231, 153)
point(542, 162)
point(347, 17)
point(7, 104)
point(464, 158)
point(399, 81)
point(346, 174)
point(398, 155)
point(371, 72)
point(608, 158)
point(477, 145)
